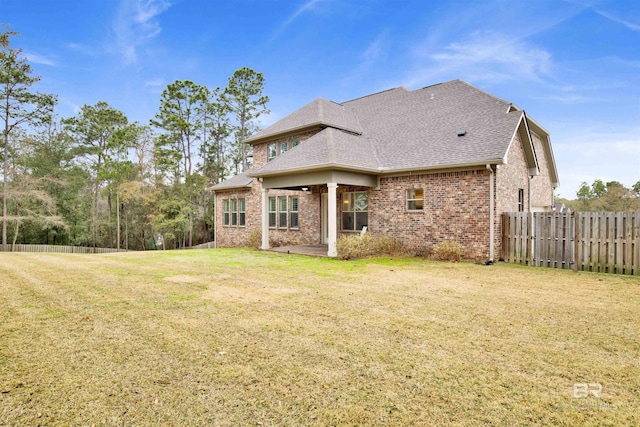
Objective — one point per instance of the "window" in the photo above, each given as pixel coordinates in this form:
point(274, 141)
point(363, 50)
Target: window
point(277, 148)
point(415, 199)
point(225, 204)
point(282, 212)
point(234, 211)
point(241, 213)
point(355, 211)
point(520, 199)
point(293, 211)
point(271, 152)
point(272, 211)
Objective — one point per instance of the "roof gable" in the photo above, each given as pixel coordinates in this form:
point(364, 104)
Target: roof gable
point(447, 125)
point(329, 148)
point(318, 113)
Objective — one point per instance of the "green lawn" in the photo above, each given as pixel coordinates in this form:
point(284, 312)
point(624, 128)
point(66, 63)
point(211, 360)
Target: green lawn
point(240, 337)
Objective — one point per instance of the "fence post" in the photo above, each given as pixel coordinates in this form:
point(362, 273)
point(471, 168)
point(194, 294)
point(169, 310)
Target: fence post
point(530, 236)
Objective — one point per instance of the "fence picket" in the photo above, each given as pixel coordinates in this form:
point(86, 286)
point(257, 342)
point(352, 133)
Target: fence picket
point(606, 242)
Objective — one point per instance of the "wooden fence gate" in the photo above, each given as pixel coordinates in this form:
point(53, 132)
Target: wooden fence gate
point(605, 242)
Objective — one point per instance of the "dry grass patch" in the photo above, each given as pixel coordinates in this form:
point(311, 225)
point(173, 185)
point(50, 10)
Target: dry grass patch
point(239, 337)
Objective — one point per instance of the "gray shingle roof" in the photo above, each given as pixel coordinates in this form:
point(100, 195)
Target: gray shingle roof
point(328, 148)
point(317, 113)
point(399, 130)
point(238, 181)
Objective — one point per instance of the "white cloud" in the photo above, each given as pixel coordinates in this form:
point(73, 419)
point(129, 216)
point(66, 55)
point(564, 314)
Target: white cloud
point(484, 56)
point(630, 25)
point(375, 53)
point(157, 82)
point(376, 48)
point(590, 155)
point(307, 6)
point(39, 59)
point(135, 25)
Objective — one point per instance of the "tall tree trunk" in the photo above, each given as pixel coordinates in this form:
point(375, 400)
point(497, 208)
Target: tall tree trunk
point(5, 176)
point(94, 219)
point(15, 235)
point(110, 208)
point(117, 221)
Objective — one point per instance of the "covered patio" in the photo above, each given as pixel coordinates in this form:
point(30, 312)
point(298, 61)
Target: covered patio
point(295, 181)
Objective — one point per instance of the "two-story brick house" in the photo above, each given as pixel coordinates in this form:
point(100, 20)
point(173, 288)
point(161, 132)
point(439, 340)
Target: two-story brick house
point(429, 165)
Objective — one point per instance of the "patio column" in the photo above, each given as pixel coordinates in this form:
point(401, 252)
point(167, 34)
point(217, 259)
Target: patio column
point(332, 220)
point(264, 207)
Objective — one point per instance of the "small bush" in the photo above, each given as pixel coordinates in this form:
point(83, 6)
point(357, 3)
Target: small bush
point(368, 245)
point(255, 239)
point(448, 251)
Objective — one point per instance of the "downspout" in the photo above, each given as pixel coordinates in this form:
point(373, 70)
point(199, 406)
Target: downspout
point(491, 214)
point(529, 193)
point(215, 219)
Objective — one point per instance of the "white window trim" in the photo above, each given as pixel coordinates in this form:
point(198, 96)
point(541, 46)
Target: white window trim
point(408, 200)
point(354, 230)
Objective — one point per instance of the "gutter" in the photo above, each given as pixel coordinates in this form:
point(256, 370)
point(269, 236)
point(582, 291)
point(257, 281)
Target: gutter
point(382, 171)
point(215, 219)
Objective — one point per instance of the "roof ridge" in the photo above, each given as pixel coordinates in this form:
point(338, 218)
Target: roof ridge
point(375, 93)
point(320, 111)
point(480, 90)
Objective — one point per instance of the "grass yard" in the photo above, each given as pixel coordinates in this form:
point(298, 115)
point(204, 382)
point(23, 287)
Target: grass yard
point(240, 337)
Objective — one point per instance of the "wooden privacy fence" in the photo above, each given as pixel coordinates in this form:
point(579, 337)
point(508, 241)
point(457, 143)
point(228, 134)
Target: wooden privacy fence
point(605, 242)
point(63, 249)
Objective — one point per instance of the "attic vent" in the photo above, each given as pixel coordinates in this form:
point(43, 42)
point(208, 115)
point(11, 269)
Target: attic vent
point(462, 132)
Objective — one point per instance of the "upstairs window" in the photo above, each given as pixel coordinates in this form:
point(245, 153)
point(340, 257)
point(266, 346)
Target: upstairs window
point(277, 148)
point(415, 199)
point(284, 145)
point(271, 151)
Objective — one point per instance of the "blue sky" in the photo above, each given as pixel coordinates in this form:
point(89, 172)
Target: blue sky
point(574, 66)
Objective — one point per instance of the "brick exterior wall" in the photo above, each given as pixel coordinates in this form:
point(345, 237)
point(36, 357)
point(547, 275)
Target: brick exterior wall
point(260, 150)
point(511, 177)
point(308, 231)
point(514, 175)
point(541, 187)
point(456, 207)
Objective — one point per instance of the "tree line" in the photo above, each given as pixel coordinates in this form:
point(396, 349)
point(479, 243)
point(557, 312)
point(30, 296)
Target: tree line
point(612, 196)
point(97, 179)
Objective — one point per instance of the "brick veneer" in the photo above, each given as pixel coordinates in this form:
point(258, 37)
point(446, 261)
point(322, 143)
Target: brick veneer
point(308, 231)
point(456, 205)
point(541, 187)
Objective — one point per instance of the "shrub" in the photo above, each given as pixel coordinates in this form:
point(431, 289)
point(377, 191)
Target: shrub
point(255, 239)
point(367, 245)
point(448, 251)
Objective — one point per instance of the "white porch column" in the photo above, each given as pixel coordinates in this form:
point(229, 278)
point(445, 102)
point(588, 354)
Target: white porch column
point(332, 220)
point(264, 207)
